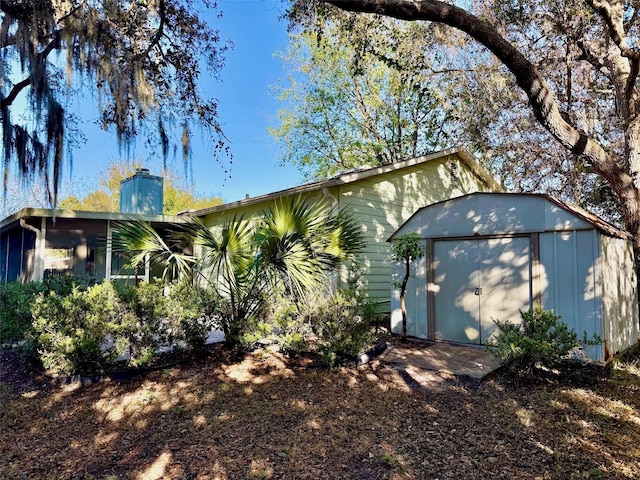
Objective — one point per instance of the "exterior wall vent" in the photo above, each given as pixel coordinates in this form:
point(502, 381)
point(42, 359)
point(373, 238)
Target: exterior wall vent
point(142, 193)
point(453, 171)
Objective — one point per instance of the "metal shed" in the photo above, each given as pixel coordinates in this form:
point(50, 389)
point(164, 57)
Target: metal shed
point(490, 255)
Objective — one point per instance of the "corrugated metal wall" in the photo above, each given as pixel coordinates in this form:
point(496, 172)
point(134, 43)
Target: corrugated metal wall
point(569, 274)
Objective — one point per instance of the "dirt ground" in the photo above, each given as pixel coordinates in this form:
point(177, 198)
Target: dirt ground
point(267, 417)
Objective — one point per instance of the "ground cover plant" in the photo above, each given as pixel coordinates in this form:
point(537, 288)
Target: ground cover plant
point(270, 417)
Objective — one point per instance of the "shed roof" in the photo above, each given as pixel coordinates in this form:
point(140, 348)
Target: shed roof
point(464, 220)
point(359, 174)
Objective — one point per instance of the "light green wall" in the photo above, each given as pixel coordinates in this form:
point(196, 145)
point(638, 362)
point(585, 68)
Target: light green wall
point(382, 203)
point(247, 211)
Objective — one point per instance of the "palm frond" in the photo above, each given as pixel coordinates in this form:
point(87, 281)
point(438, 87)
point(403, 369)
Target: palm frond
point(139, 239)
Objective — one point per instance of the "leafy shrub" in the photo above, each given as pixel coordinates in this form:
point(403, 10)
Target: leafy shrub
point(291, 329)
point(194, 313)
point(254, 332)
point(63, 285)
point(15, 315)
point(541, 340)
point(341, 328)
point(17, 299)
point(78, 333)
point(151, 327)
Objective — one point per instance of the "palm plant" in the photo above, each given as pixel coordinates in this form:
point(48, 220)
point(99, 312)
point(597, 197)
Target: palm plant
point(294, 244)
point(139, 239)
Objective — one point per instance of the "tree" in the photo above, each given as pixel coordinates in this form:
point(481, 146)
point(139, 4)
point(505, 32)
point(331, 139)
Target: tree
point(292, 246)
point(178, 196)
point(141, 60)
point(357, 95)
point(576, 62)
point(344, 106)
point(408, 248)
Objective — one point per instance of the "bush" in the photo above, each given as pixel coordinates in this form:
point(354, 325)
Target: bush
point(80, 332)
point(151, 328)
point(541, 340)
point(17, 299)
point(63, 285)
point(15, 315)
point(194, 313)
point(341, 328)
point(291, 329)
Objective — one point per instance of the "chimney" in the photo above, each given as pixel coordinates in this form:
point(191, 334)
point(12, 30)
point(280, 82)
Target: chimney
point(142, 193)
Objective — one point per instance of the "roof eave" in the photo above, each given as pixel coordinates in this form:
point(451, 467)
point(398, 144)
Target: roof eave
point(85, 215)
point(351, 177)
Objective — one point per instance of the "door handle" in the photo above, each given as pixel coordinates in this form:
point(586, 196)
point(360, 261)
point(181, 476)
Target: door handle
point(478, 291)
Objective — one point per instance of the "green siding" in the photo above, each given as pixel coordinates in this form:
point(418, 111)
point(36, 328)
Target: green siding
point(382, 203)
point(247, 211)
point(385, 202)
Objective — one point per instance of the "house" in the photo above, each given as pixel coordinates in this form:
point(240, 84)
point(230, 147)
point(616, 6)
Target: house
point(381, 198)
point(36, 243)
point(490, 255)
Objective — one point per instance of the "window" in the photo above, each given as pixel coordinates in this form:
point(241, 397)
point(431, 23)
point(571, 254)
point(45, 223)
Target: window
point(58, 261)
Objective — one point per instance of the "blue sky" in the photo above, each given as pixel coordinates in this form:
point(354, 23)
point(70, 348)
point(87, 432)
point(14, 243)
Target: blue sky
point(246, 109)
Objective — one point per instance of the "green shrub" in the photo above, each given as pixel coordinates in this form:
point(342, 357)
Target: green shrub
point(17, 299)
point(290, 328)
point(63, 285)
point(151, 327)
point(541, 340)
point(79, 333)
point(15, 315)
point(254, 332)
point(342, 330)
point(193, 311)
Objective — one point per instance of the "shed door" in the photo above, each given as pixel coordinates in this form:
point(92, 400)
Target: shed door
point(477, 281)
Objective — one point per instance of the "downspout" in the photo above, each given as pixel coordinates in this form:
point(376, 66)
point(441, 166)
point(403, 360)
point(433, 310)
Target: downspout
point(334, 200)
point(38, 261)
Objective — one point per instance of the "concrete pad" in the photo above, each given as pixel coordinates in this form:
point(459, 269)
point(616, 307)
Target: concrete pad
point(471, 361)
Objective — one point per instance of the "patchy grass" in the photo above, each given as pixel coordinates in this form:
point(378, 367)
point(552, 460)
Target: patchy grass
point(267, 418)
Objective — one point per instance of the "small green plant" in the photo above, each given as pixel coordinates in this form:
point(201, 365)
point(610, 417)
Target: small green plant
point(408, 248)
point(290, 327)
point(193, 313)
point(254, 331)
point(540, 340)
point(151, 327)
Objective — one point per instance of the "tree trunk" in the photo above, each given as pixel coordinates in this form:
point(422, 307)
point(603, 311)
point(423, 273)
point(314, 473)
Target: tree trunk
point(403, 291)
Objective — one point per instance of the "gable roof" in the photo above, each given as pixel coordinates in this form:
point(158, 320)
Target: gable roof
point(598, 222)
point(595, 221)
point(359, 174)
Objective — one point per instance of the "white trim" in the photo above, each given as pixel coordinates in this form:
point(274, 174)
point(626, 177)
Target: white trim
point(107, 260)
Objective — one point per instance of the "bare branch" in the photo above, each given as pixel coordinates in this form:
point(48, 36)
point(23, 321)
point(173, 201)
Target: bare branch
point(158, 34)
point(15, 91)
point(615, 26)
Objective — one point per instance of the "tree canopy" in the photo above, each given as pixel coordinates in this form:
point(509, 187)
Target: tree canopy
point(357, 95)
point(141, 61)
point(530, 74)
point(179, 196)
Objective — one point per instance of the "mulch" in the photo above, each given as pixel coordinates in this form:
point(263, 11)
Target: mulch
point(266, 416)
